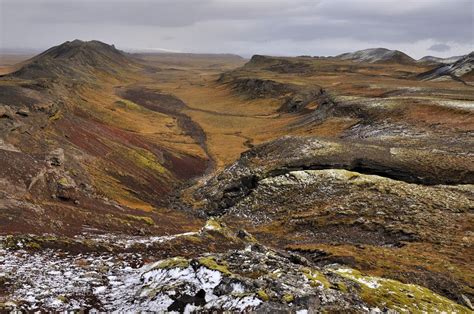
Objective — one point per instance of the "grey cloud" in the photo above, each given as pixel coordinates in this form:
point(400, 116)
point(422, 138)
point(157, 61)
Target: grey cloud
point(220, 24)
point(439, 47)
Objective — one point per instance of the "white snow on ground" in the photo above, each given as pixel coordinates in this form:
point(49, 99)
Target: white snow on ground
point(128, 241)
point(371, 282)
point(60, 281)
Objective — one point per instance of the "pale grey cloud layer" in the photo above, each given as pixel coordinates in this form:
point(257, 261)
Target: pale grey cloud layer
point(279, 27)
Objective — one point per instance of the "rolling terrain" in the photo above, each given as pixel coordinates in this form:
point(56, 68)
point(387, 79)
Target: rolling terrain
point(186, 182)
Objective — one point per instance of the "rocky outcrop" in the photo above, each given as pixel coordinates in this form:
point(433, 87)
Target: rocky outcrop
point(254, 88)
point(279, 65)
point(293, 98)
point(461, 70)
point(287, 154)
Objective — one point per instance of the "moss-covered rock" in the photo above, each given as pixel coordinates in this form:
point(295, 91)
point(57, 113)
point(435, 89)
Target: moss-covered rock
point(316, 278)
point(392, 294)
point(211, 263)
point(174, 262)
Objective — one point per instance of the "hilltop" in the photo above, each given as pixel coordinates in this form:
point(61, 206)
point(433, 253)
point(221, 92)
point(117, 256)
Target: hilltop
point(437, 60)
point(76, 59)
point(375, 55)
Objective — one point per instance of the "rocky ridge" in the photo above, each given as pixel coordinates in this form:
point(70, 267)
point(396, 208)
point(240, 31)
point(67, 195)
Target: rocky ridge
point(461, 70)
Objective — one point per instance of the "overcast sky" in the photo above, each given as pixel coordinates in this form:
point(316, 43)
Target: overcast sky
point(275, 27)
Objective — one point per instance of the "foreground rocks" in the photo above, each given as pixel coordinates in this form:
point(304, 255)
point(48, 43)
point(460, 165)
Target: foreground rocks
point(255, 278)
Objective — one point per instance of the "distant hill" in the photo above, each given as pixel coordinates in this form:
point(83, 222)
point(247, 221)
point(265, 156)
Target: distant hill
point(75, 59)
point(437, 60)
point(375, 55)
point(462, 69)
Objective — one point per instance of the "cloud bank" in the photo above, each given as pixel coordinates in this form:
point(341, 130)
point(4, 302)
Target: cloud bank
point(278, 27)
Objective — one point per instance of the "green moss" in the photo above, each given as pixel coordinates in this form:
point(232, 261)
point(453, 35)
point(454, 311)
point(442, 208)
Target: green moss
point(33, 245)
point(129, 105)
point(263, 295)
point(392, 294)
point(56, 116)
point(316, 278)
point(175, 262)
point(211, 263)
point(144, 219)
point(18, 243)
point(288, 298)
point(146, 159)
point(342, 287)
point(213, 224)
point(64, 181)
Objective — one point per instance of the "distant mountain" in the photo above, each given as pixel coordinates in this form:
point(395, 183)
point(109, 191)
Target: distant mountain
point(375, 55)
point(462, 69)
point(75, 59)
point(431, 59)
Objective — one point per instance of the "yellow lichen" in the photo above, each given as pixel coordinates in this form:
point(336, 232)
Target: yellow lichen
point(263, 295)
point(288, 298)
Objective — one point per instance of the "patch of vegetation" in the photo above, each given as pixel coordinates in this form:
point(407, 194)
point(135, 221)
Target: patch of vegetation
point(18, 243)
point(342, 287)
point(213, 224)
point(316, 278)
point(211, 263)
point(147, 220)
point(127, 104)
point(263, 295)
point(146, 159)
point(288, 298)
point(175, 262)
